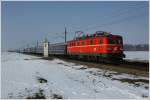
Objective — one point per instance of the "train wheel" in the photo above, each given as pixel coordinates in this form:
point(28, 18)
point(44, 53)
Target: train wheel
point(97, 59)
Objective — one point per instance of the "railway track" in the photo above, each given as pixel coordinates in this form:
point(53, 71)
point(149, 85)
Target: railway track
point(129, 67)
point(136, 64)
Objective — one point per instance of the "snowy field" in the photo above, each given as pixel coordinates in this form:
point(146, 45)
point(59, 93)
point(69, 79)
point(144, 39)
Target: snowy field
point(24, 75)
point(137, 55)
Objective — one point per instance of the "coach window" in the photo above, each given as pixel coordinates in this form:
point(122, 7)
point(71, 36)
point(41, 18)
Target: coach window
point(78, 43)
point(100, 41)
point(94, 42)
point(110, 41)
point(82, 43)
point(91, 42)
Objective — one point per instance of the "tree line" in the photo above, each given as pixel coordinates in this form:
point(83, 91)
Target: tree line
point(136, 47)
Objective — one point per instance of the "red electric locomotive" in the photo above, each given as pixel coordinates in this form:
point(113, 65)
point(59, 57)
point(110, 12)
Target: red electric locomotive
point(101, 46)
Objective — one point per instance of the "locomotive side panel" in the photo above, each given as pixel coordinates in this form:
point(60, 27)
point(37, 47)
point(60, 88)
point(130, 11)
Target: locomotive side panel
point(103, 46)
point(87, 46)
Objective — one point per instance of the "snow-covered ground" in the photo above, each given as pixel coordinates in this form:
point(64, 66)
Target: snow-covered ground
point(21, 74)
point(137, 55)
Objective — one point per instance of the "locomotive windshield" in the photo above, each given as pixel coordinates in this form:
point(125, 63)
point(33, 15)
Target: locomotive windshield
point(114, 41)
point(119, 41)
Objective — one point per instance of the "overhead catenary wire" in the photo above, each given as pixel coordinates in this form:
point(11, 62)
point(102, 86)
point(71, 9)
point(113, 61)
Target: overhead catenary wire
point(133, 17)
point(115, 15)
point(119, 12)
point(118, 21)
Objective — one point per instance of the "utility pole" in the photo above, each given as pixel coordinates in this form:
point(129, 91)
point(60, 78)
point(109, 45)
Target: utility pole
point(65, 41)
point(65, 34)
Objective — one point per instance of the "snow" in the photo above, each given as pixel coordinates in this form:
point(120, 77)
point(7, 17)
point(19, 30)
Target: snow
point(70, 80)
point(137, 55)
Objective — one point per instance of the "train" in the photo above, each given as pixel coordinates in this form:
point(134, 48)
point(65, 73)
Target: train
point(100, 46)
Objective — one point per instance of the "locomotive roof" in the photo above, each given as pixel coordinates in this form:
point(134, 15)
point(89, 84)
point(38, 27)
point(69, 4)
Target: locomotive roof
point(102, 34)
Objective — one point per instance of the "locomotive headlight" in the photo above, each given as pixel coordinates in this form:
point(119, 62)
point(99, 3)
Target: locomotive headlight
point(115, 48)
point(121, 48)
